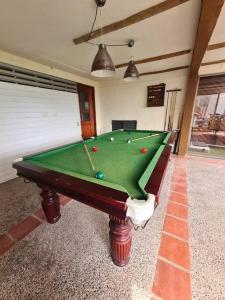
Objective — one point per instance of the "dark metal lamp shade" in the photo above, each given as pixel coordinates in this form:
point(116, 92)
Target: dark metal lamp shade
point(103, 65)
point(131, 73)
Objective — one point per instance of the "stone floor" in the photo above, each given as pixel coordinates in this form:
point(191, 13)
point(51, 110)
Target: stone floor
point(71, 259)
point(18, 200)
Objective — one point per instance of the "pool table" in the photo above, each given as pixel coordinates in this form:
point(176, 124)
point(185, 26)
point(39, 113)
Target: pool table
point(129, 191)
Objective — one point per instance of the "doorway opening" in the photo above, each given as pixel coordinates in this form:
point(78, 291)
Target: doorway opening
point(208, 125)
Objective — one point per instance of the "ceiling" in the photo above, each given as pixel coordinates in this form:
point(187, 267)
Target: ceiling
point(43, 31)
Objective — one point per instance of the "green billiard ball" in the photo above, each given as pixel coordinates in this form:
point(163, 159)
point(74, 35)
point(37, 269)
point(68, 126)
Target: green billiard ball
point(99, 175)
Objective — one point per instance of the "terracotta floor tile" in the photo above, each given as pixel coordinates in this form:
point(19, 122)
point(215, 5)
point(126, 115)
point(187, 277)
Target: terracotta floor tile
point(180, 181)
point(5, 243)
point(176, 227)
point(178, 197)
point(64, 200)
point(175, 250)
point(177, 210)
point(40, 214)
point(178, 188)
point(23, 228)
point(179, 172)
point(178, 177)
point(180, 164)
point(171, 283)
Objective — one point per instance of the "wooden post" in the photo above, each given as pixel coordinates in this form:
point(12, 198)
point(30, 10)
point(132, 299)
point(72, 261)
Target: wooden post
point(210, 12)
point(192, 88)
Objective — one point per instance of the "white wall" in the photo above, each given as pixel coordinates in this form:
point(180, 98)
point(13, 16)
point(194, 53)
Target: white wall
point(15, 60)
point(34, 119)
point(128, 101)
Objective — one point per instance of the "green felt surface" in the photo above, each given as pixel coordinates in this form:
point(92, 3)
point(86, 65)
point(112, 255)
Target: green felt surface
point(124, 167)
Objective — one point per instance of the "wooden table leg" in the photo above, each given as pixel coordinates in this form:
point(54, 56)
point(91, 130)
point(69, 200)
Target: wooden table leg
point(50, 204)
point(120, 239)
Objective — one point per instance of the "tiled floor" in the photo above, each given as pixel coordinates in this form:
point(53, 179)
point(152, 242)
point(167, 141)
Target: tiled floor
point(172, 276)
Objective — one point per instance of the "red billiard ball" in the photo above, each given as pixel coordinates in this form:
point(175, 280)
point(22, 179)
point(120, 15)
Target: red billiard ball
point(144, 150)
point(94, 149)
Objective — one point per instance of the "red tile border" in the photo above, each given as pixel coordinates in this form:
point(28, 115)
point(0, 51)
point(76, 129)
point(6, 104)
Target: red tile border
point(5, 243)
point(175, 250)
point(176, 227)
point(206, 160)
point(172, 277)
point(177, 210)
point(64, 200)
point(179, 188)
point(178, 198)
point(23, 228)
point(171, 283)
point(40, 214)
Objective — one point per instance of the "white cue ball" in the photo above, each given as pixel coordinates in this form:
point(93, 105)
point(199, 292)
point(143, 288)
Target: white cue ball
point(111, 139)
point(129, 141)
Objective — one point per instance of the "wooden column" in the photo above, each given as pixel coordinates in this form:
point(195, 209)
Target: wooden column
point(209, 15)
point(192, 88)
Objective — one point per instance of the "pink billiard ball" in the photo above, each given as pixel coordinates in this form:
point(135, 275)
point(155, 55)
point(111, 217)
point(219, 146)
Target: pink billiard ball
point(144, 150)
point(94, 149)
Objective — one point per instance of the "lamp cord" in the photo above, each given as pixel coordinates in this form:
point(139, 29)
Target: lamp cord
point(93, 24)
point(101, 25)
point(102, 35)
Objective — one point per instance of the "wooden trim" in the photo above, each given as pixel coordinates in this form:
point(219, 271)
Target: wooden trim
point(138, 17)
point(156, 58)
point(221, 61)
point(211, 91)
point(216, 46)
point(210, 12)
point(163, 71)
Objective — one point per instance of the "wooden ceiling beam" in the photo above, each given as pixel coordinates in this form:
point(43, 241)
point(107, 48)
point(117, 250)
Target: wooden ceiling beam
point(211, 92)
point(156, 58)
point(138, 17)
point(221, 61)
point(213, 87)
point(216, 46)
point(209, 15)
point(164, 71)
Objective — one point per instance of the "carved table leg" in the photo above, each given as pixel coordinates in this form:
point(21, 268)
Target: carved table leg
point(120, 239)
point(51, 205)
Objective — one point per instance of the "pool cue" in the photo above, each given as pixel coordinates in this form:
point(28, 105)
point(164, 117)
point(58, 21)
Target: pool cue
point(89, 156)
point(174, 107)
point(167, 102)
point(170, 113)
point(145, 137)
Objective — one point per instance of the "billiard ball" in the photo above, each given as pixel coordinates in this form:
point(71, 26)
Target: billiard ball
point(94, 149)
point(111, 139)
point(129, 141)
point(143, 150)
point(99, 175)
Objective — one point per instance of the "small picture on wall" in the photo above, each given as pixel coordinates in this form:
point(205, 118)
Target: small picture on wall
point(155, 95)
